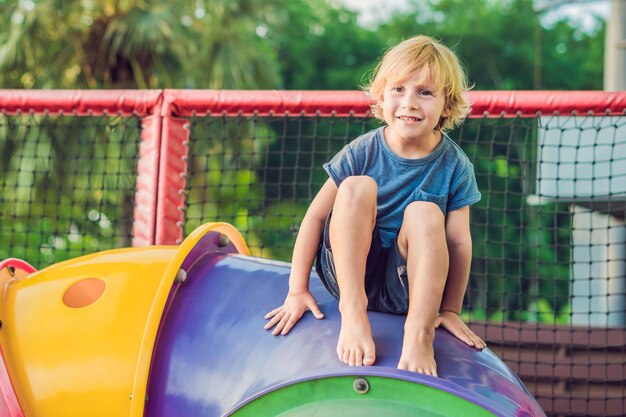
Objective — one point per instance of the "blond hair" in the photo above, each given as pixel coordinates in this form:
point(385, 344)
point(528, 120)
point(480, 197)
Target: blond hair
point(442, 65)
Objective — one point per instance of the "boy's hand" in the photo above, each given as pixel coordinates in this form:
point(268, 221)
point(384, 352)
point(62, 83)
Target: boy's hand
point(452, 322)
point(287, 315)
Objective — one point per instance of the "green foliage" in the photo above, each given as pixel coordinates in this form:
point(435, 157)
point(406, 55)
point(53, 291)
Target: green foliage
point(504, 45)
point(287, 44)
point(518, 250)
point(58, 199)
point(137, 44)
point(572, 56)
point(68, 188)
point(324, 48)
point(276, 226)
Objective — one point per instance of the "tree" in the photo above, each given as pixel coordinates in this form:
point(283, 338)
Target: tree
point(138, 44)
point(81, 44)
point(107, 44)
point(285, 44)
point(504, 45)
point(324, 48)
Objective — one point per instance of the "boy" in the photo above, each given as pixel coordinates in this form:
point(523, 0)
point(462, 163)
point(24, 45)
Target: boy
point(390, 227)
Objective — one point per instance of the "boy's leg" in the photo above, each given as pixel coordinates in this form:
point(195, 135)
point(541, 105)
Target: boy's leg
point(351, 226)
point(422, 242)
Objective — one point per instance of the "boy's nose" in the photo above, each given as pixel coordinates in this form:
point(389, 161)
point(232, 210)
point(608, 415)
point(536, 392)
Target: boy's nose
point(409, 101)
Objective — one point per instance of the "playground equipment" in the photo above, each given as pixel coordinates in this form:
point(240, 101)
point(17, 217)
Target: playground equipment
point(166, 330)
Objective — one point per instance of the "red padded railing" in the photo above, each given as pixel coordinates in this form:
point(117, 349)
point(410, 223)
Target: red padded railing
point(183, 103)
point(159, 198)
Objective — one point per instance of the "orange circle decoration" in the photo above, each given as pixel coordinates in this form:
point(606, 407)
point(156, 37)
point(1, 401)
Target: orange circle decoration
point(84, 292)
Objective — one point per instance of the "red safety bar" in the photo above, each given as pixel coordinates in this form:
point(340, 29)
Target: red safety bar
point(159, 198)
point(80, 102)
point(184, 103)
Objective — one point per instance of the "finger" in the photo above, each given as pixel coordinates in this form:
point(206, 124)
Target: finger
point(281, 324)
point(317, 313)
point(290, 323)
point(273, 312)
point(274, 320)
point(460, 334)
point(271, 323)
point(478, 342)
point(465, 337)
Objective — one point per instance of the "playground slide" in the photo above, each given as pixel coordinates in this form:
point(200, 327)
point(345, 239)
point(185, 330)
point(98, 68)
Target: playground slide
point(178, 331)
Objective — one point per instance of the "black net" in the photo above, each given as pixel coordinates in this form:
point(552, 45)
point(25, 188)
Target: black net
point(548, 282)
point(260, 174)
point(67, 185)
point(549, 236)
point(522, 248)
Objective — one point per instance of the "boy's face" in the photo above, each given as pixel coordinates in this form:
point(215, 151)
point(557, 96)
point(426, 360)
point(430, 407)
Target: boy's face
point(412, 107)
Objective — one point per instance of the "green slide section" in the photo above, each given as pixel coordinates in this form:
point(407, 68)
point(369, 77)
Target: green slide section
point(360, 396)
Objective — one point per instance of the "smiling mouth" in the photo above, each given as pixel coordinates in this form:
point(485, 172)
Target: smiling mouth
point(409, 118)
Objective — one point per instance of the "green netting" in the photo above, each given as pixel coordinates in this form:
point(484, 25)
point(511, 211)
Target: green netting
point(548, 275)
point(260, 174)
point(67, 185)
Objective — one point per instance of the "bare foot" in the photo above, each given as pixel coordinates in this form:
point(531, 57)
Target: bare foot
point(418, 354)
point(356, 345)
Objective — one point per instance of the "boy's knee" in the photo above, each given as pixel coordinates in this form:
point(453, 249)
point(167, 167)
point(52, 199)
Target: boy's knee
point(358, 189)
point(424, 216)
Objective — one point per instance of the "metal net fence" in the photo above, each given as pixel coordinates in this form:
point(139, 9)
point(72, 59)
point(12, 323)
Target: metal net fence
point(547, 288)
point(260, 174)
point(67, 185)
point(547, 284)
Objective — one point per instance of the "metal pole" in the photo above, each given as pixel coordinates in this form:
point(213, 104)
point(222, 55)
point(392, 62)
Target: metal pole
point(615, 48)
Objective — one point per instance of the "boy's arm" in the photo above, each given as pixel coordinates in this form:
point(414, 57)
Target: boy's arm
point(308, 239)
point(459, 241)
point(299, 299)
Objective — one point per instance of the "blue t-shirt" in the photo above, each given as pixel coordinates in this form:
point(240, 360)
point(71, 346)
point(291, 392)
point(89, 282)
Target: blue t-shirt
point(445, 177)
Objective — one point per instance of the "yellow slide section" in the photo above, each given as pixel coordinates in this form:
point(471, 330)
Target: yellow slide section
point(71, 333)
point(78, 336)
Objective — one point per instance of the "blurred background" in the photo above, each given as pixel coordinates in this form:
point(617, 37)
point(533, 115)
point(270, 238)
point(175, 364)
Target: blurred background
point(67, 184)
point(293, 44)
point(549, 259)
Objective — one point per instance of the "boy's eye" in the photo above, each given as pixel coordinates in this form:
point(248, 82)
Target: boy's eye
point(426, 92)
point(397, 89)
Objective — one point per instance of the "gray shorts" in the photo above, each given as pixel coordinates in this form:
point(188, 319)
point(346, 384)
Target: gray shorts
point(386, 283)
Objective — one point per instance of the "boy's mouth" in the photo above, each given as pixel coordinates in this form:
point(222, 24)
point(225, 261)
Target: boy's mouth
point(409, 118)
